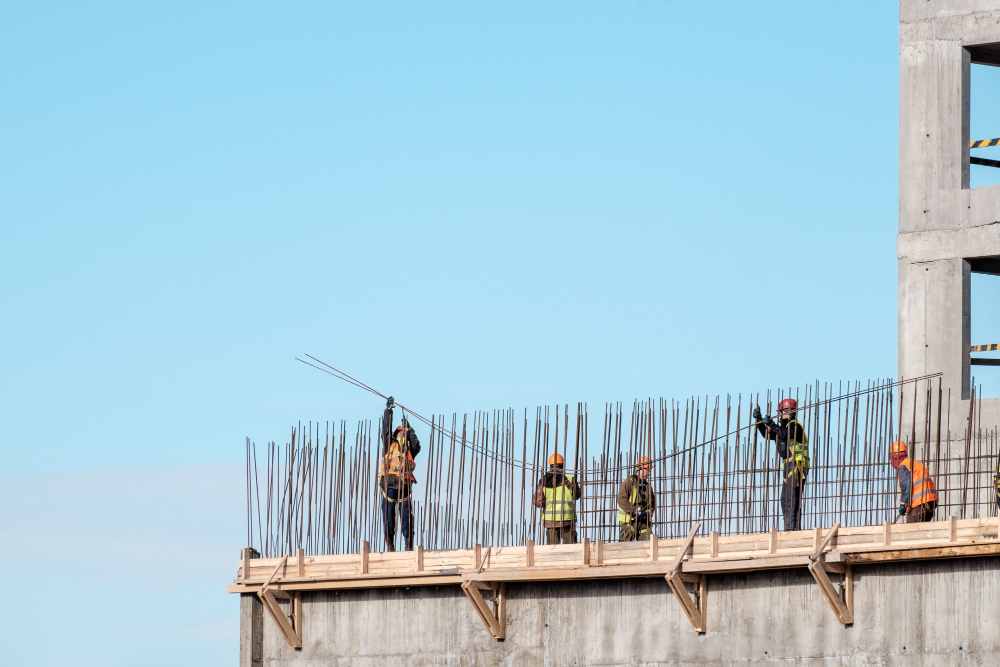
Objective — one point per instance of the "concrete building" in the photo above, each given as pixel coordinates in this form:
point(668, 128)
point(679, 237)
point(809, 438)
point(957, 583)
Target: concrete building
point(947, 230)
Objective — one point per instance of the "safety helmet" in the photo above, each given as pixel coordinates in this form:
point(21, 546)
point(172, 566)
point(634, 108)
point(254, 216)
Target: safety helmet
point(788, 404)
point(898, 447)
point(642, 463)
point(556, 460)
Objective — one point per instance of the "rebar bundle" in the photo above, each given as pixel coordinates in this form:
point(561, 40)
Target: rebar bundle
point(476, 475)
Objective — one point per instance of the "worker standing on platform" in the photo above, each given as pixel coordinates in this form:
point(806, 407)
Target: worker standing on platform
point(395, 479)
point(917, 493)
point(556, 495)
point(636, 504)
point(793, 447)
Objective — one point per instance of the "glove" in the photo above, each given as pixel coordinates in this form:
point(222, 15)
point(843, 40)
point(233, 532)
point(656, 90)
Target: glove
point(640, 516)
point(756, 414)
point(768, 421)
point(902, 509)
point(389, 402)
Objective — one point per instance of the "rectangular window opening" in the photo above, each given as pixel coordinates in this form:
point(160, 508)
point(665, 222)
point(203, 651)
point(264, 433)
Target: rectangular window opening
point(984, 325)
point(984, 116)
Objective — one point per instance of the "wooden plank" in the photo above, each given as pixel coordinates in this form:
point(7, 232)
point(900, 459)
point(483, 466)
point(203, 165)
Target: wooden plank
point(300, 562)
point(599, 549)
point(849, 590)
point(297, 617)
point(886, 533)
point(826, 541)
point(477, 555)
point(684, 598)
point(840, 609)
point(585, 556)
point(703, 601)
point(490, 621)
point(278, 616)
point(277, 567)
point(772, 542)
point(420, 558)
point(685, 545)
point(364, 557)
point(387, 582)
point(714, 536)
point(500, 609)
point(952, 529)
point(244, 563)
point(529, 552)
point(927, 553)
point(654, 547)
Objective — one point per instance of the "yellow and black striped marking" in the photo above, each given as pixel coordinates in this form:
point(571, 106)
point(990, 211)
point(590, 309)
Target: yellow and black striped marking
point(986, 348)
point(983, 143)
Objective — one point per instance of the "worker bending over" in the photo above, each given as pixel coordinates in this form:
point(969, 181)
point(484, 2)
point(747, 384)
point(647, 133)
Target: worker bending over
point(917, 493)
point(556, 495)
point(395, 479)
point(793, 447)
point(636, 504)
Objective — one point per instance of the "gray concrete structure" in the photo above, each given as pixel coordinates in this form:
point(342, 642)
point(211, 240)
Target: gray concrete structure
point(946, 229)
point(925, 613)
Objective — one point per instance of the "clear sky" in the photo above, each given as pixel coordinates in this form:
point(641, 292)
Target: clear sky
point(467, 205)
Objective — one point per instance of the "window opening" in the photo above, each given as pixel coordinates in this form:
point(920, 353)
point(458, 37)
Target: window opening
point(984, 325)
point(984, 124)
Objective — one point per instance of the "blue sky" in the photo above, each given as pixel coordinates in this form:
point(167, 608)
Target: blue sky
point(467, 205)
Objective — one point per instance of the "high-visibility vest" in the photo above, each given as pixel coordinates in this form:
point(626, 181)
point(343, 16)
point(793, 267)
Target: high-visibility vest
point(393, 463)
point(559, 503)
point(632, 498)
point(922, 489)
point(798, 452)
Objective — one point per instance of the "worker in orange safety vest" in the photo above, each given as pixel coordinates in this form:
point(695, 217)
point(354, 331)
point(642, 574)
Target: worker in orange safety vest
point(918, 495)
point(395, 478)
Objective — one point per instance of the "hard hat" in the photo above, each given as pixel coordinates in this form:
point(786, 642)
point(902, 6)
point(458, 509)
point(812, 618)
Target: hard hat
point(788, 404)
point(643, 462)
point(897, 447)
point(556, 459)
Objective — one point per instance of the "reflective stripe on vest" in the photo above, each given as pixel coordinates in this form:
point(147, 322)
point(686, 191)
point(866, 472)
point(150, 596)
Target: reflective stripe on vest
point(922, 489)
point(625, 518)
point(393, 463)
point(559, 504)
point(798, 451)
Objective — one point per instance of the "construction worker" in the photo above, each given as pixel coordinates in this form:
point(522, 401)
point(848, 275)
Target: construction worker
point(917, 493)
point(996, 486)
point(395, 479)
point(793, 447)
point(556, 495)
point(636, 504)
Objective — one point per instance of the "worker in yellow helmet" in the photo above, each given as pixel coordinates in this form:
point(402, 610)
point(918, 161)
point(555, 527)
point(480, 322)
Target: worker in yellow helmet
point(917, 493)
point(636, 504)
point(556, 495)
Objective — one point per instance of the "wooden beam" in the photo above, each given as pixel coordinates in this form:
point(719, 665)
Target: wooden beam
point(300, 562)
point(278, 616)
point(772, 541)
point(599, 551)
point(837, 604)
point(886, 533)
point(685, 545)
point(585, 556)
point(654, 548)
point(420, 558)
point(952, 529)
point(245, 563)
point(925, 553)
point(714, 550)
point(826, 541)
point(485, 615)
point(364, 557)
point(345, 584)
point(690, 608)
point(529, 552)
point(281, 563)
point(500, 610)
point(477, 555)
point(297, 617)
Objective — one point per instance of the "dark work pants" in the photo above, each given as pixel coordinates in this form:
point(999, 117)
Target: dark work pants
point(921, 513)
point(565, 535)
point(791, 501)
point(389, 507)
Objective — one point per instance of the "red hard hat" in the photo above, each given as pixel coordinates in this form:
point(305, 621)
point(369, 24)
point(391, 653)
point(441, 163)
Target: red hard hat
point(788, 404)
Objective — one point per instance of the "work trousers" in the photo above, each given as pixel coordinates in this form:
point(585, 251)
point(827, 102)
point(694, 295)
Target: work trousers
point(921, 513)
point(791, 501)
point(391, 503)
point(566, 535)
point(627, 533)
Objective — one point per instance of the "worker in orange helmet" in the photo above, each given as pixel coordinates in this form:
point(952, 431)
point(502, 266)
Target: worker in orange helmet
point(556, 495)
point(917, 493)
point(395, 478)
point(790, 438)
point(636, 504)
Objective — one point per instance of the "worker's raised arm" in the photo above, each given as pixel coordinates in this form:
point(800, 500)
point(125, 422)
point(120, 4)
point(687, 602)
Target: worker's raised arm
point(387, 425)
point(411, 438)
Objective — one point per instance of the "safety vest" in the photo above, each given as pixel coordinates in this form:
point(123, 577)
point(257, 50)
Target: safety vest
point(798, 452)
point(559, 503)
point(922, 489)
point(632, 498)
point(393, 463)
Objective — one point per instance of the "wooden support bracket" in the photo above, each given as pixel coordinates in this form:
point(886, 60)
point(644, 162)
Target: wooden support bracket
point(290, 626)
point(495, 620)
point(695, 611)
point(841, 603)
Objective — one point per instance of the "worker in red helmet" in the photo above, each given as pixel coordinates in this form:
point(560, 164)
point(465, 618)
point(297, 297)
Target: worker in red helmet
point(636, 504)
point(395, 478)
point(556, 495)
point(793, 447)
point(917, 493)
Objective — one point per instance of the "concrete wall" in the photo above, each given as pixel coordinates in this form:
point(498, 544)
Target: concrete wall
point(942, 222)
point(918, 613)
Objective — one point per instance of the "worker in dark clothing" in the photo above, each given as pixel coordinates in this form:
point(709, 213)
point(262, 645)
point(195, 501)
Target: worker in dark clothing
point(395, 479)
point(636, 504)
point(917, 493)
point(793, 447)
point(556, 495)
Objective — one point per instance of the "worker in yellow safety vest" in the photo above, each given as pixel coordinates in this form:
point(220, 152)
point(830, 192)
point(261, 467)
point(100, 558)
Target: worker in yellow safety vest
point(790, 437)
point(556, 495)
point(395, 477)
point(636, 504)
point(917, 493)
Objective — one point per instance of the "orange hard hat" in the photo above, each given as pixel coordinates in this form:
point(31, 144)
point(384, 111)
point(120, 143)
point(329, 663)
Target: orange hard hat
point(556, 459)
point(788, 404)
point(898, 447)
point(643, 462)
